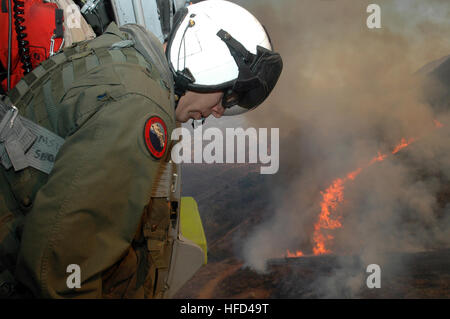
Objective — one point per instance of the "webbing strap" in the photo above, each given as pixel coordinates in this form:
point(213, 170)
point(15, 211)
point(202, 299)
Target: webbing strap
point(67, 76)
point(22, 88)
point(30, 78)
point(40, 111)
point(79, 68)
point(141, 61)
point(103, 55)
point(165, 180)
point(57, 84)
point(130, 53)
point(92, 62)
point(29, 111)
point(117, 56)
point(39, 71)
point(122, 44)
point(51, 109)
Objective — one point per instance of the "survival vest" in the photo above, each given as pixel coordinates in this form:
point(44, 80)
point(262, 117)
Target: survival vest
point(174, 258)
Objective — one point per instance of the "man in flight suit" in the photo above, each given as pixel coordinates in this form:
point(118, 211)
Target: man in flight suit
point(110, 105)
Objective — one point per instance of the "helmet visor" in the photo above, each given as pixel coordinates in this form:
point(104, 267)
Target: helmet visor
point(254, 86)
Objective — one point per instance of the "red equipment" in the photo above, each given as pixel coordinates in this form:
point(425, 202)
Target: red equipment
point(34, 23)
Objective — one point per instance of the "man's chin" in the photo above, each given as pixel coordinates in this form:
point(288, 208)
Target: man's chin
point(182, 118)
point(182, 121)
point(196, 116)
point(191, 116)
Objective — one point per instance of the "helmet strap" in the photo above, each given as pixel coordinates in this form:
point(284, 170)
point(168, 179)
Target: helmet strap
point(241, 55)
point(182, 81)
point(244, 58)
point(185, 77)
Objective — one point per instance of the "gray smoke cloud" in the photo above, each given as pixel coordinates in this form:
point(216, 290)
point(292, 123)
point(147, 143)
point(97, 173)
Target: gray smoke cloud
point(346, 93)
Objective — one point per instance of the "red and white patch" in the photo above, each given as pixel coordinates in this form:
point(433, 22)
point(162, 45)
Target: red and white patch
point(155, 136)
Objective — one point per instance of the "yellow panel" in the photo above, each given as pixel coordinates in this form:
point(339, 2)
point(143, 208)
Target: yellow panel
point(191, 224)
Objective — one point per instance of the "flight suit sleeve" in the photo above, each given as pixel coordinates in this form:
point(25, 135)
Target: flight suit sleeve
point(89, 211)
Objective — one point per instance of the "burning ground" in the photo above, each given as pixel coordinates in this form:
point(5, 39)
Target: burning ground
point(426, 275)
point(365, 154)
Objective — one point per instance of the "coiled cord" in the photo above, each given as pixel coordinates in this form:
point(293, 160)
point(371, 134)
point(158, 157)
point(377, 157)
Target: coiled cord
point(8, 81)
point(24, 51)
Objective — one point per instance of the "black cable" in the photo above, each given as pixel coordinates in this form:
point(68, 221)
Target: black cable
point(24, 51)
point(183, 42)
point(3, 76)
point(9, 45)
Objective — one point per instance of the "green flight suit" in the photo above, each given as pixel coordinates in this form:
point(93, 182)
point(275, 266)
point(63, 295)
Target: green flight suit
point(93, 208)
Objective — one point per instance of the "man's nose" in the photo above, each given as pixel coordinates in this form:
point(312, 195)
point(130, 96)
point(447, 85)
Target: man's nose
point(218, 110)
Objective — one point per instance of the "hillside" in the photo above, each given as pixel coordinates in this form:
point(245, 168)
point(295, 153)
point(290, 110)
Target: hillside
point(233, 199)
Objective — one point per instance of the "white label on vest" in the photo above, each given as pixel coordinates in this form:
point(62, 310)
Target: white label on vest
point(42, 154)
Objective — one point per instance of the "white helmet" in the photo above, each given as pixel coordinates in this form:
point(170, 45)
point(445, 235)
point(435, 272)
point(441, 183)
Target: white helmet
point(217, 45)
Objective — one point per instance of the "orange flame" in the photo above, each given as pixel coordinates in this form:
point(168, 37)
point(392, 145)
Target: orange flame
point(297, 254)
point(333, 196)
point(438, 124)
point(403, 144)
point(379, 158)
point(354, 174)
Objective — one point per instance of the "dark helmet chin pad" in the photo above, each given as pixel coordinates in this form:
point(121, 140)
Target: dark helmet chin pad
point(258, 74)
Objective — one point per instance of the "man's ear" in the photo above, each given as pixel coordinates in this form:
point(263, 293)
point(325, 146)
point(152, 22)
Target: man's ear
point(165, 46)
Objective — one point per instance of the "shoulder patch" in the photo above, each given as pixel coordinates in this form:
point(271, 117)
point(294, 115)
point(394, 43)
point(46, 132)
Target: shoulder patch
point(155, 136)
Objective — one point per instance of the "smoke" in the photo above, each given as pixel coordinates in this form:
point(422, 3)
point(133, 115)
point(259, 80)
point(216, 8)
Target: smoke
point(346, 93)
